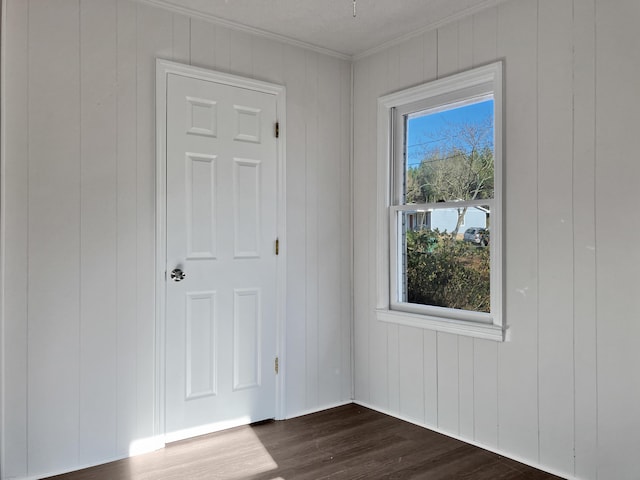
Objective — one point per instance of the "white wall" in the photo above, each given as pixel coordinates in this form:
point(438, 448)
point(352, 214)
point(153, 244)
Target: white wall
point(78, 212)
point(564, 392)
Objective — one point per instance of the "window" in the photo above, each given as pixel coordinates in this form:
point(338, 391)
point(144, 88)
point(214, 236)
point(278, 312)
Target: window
point(440, 205)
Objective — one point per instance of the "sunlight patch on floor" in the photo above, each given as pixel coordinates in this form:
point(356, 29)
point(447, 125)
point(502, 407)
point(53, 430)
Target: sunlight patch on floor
point(234, 454)
point(251, 457)
point(145, 445)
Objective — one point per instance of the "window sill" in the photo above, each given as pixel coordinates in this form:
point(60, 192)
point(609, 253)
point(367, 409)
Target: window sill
point(456, 327)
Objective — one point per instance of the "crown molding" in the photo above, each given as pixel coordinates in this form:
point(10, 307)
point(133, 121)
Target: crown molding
point(164, 4)
point(430, 26)
point(246, 29)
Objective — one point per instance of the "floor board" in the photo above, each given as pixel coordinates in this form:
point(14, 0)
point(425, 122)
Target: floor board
point(349, 442)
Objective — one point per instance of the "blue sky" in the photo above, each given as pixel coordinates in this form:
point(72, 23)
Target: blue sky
point(422, 130)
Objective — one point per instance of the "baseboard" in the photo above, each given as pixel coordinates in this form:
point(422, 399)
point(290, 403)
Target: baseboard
point(206, 429)
point(470, 442)
point(155, 443)
point(318, 409)
point(138, 447)
point(68, 470)
point(151, 446)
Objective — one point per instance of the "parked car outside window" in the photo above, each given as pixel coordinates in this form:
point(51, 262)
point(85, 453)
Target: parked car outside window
point(477, 235)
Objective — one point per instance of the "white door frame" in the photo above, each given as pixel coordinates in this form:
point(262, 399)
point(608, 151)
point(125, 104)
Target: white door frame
point(163, 69)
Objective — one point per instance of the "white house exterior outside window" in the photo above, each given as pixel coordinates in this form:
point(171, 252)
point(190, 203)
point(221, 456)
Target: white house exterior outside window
point(440, 223)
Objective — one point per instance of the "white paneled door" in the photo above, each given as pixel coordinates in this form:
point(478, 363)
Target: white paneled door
point(221, 258)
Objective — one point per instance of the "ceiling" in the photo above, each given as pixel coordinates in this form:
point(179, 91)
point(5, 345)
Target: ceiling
point(329, 24)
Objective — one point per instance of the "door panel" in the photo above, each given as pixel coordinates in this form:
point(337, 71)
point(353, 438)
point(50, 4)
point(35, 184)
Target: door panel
point(246, 187)
point(201, 206)
point(221, 229)
point(200, 345)
point(246, 339)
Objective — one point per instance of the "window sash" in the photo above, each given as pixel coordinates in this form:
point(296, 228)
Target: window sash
point(396, 270)
point(400, 117)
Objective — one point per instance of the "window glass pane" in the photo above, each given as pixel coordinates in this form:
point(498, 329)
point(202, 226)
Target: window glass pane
point(442, 268)
point(449, 153)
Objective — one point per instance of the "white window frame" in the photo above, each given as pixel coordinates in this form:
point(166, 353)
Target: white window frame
point(452, 90)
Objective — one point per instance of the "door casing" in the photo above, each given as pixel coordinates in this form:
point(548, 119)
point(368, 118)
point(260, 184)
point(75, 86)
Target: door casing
point(163, 69)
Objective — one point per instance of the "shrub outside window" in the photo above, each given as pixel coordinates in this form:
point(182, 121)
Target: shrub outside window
point(440, 205)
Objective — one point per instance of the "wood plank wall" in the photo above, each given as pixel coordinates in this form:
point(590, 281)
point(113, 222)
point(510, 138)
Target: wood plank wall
point(563, 393)
point(78, 207)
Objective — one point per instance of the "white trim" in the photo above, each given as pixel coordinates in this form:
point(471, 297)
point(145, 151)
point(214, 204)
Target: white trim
point(427, 28)
point(205, 429)
point(63, 471)
point(163, 69)
point(3, 216)
point(146, 445)
point(319, 409)
point(430, 207)
point(316, 48)
point(352, 322)
point(245, 28)
point(477, 81)
point(384, 175)
point(468, 441)
point(487, 331)
point(490, 74)
point(281, 262)
point(160, 249)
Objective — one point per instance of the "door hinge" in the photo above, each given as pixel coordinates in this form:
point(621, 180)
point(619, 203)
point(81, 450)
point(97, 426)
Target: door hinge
point(277, 130)
point(277, 246)
point(277, 365)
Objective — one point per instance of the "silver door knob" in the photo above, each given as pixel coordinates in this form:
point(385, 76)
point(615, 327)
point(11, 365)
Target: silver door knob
point(177, 275)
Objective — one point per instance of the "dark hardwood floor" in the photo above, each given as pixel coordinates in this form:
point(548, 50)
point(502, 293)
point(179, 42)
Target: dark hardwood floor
point(349, 442)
